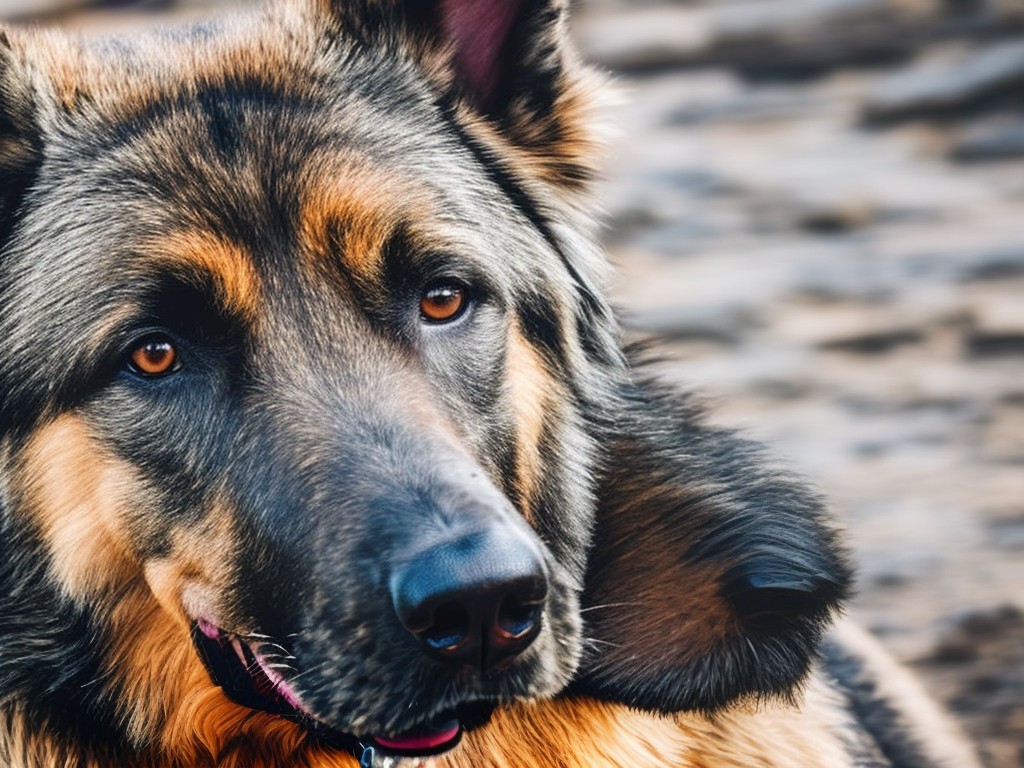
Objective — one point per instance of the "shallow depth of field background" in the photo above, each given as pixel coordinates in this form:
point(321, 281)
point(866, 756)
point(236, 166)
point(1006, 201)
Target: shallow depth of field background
point(818, 206)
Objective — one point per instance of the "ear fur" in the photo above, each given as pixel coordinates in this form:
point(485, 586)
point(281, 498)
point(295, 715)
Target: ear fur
point(514, 64)
point(19, 134)
point(712, 577)
point(507, 63)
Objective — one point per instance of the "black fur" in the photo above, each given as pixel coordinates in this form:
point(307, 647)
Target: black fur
point(677, 492)
point(886, 742)
point(20, 147)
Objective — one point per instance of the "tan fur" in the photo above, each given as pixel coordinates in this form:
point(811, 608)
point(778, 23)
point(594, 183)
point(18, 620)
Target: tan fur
point(182, 581)
point(228, 264)
point(351, 210)
point(576, 733)
point(25, 745)
point(917, 715)
point(79, 74)
point(651, 606)
point(79, 493)
point(581, 733)
point(530, 394)
point(691, 634)
point(561, 158)
point(570, 733)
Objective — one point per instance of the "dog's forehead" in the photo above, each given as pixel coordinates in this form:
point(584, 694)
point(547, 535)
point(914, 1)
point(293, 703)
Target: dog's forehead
point(237, 181)
point(261, 89)
point(284, 46)
point(235, 132)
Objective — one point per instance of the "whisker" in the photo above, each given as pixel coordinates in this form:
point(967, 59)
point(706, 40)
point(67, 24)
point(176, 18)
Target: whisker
point(595, 641)
point(610, 605)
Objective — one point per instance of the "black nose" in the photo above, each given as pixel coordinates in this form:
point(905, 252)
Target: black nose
point(473, 600)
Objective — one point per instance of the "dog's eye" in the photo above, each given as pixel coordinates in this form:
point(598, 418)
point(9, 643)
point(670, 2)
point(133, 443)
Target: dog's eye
point(443, 302)
point(154, 356)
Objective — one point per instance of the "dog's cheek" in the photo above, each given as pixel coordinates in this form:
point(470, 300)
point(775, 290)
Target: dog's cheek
point(161, 689)
point(553, 458)
point(530, 391)
point(79, 497)
point(193, 579)
point(80, 500)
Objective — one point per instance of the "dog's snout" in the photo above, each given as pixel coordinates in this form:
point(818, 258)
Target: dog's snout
point(474, 600)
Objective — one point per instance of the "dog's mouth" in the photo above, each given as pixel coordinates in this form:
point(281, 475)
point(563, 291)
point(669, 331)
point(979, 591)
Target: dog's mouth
point(254, 680)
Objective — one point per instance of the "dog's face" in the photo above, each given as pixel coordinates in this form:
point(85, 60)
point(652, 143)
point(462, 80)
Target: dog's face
point(288, 344)
point(306, 383)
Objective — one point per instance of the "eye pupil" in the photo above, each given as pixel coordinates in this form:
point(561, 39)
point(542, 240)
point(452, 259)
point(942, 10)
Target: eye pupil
point(442, 302)
point(154, 357)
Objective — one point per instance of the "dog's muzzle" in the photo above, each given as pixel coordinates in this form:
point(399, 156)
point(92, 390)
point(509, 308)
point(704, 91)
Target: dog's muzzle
point(473, 601)
point(251, 681)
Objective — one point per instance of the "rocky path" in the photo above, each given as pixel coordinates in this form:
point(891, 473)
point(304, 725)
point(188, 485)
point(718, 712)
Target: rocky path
point(818, 205)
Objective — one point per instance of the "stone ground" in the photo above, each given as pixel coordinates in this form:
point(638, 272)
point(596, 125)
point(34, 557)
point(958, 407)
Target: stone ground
point(818, 207)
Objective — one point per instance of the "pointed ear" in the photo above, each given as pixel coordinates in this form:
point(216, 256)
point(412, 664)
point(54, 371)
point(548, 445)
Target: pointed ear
point(491, 39)
point(19, 135)
point(506, 63)
point(514, 65)
point(712, 577)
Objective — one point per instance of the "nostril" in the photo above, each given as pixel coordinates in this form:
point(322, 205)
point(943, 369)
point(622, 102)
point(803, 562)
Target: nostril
point(516, 618)
point(449, 629)
point(473, 600)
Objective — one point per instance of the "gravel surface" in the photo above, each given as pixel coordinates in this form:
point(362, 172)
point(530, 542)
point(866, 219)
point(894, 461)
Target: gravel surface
point(818, 205)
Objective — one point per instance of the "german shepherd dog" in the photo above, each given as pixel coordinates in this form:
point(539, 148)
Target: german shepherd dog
point(318, 446)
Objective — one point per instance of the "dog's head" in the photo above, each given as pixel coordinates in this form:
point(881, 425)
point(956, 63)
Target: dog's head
point(303, 358)
point(294, 345)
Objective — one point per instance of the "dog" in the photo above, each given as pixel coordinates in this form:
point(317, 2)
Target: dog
point(319, 446)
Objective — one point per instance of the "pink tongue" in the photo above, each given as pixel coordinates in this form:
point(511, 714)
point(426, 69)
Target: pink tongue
point(425, 741)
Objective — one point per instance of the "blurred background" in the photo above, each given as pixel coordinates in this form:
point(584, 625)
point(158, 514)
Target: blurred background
point(818, 206)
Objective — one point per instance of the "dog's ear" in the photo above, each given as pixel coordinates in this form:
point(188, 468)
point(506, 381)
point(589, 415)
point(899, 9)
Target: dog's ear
point(506, 65)
point(712, 577)
point(19, 134)
point(504, 50)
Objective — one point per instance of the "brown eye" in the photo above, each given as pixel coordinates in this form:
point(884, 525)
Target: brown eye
point(442, 303)
point(154, 357)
